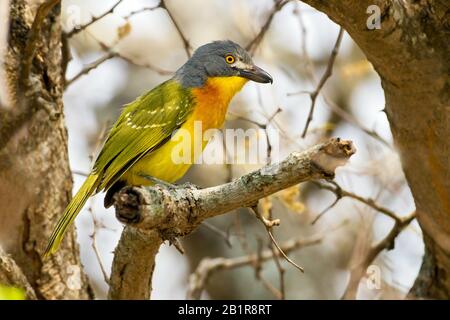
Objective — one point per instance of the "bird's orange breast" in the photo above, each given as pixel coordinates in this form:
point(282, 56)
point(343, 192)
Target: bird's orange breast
point(211, 104)
point(213, 98)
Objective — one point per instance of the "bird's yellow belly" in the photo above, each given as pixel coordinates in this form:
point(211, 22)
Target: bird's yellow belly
point(166, 163)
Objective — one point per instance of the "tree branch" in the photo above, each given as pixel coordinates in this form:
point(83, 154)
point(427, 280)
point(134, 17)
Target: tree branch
point(111, 54)
point(208, 266)
point(186, 44)
point(327, 74)
point(256, 41)
point(91, 66)
point(162, 213)
point(387, 243)
point(342, 193)
point(94, 19)
point(12, 275)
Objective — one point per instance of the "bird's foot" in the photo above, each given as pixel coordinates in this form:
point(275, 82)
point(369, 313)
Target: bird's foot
point(188, 185)
point(168, 184)
point(158, 181)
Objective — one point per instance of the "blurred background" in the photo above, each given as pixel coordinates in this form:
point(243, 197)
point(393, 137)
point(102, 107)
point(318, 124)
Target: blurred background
point(295, 50)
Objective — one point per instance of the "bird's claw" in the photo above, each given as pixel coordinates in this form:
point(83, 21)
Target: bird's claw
point(168, 185)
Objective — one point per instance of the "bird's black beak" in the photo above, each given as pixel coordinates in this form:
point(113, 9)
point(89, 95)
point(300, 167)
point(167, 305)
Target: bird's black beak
point(256, 74)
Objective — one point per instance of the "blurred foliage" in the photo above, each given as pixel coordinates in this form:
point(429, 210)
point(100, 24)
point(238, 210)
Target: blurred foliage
point(11, 293)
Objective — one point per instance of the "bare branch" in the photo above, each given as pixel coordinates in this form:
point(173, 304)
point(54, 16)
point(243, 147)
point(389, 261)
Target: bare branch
point(256, 41)
point(269, 224)
point(94, 19)
point(163, 213)
point(320, 215)
point(263, 126)
point(281, 272)
point(341, 193)
point(257, 265)
point(88, 68)
point(186, 44)
point(224, 235)
point(146, 65)
point(348, 117)
point(358, 271)
point(327, 74)
point(97, 226)
point(142, 10)
point(108, 56)
point(283, 254)
point(208, 266)
point(339, 111)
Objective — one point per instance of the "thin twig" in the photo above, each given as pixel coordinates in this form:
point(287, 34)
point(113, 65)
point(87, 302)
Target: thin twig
point(139, 11)
point(186, 44)
point(263, 126)
point(225, 235)
point(281, 272)
point(269, 232)
point(325, 210)
point(97, 226)
point(269, 224)
point(110, 55)
point(359, 270)
point(341, 193)
point(147, 65)
point(327, 74)
point(242, 236)
point(256, 41)
point(348, 117)
point(343, 114)
point(91, 66)
point(205, 269)
point(94, 19)
point(257, 264)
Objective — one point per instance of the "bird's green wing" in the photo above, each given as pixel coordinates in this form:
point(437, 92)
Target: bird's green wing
point(142, 127)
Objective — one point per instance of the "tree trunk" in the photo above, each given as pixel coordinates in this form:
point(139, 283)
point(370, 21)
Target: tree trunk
point(36, 182)
point(411, 54)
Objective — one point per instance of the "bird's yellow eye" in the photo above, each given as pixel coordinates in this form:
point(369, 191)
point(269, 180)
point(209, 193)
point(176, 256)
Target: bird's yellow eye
point(230, 59)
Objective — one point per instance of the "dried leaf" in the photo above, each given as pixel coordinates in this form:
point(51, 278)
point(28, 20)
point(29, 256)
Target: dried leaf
point(123, 31)
point(290, 198)
point(356, 69)
point(265, 206)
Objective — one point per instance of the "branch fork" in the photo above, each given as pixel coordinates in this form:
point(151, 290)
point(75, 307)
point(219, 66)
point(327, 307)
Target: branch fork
point(161, 212)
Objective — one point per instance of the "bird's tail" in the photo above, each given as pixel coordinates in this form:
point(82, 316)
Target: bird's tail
point(74, 207)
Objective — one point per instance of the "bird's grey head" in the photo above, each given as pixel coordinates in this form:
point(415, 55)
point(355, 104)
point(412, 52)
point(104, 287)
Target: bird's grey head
point(220, 59)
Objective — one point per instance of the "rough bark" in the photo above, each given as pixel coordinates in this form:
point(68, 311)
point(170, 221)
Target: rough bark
point(12, 275)
point(162, 213)
point(411, 54)
point(35, 177)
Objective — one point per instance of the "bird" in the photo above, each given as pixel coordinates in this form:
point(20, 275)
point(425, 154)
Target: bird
point(139, 147)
